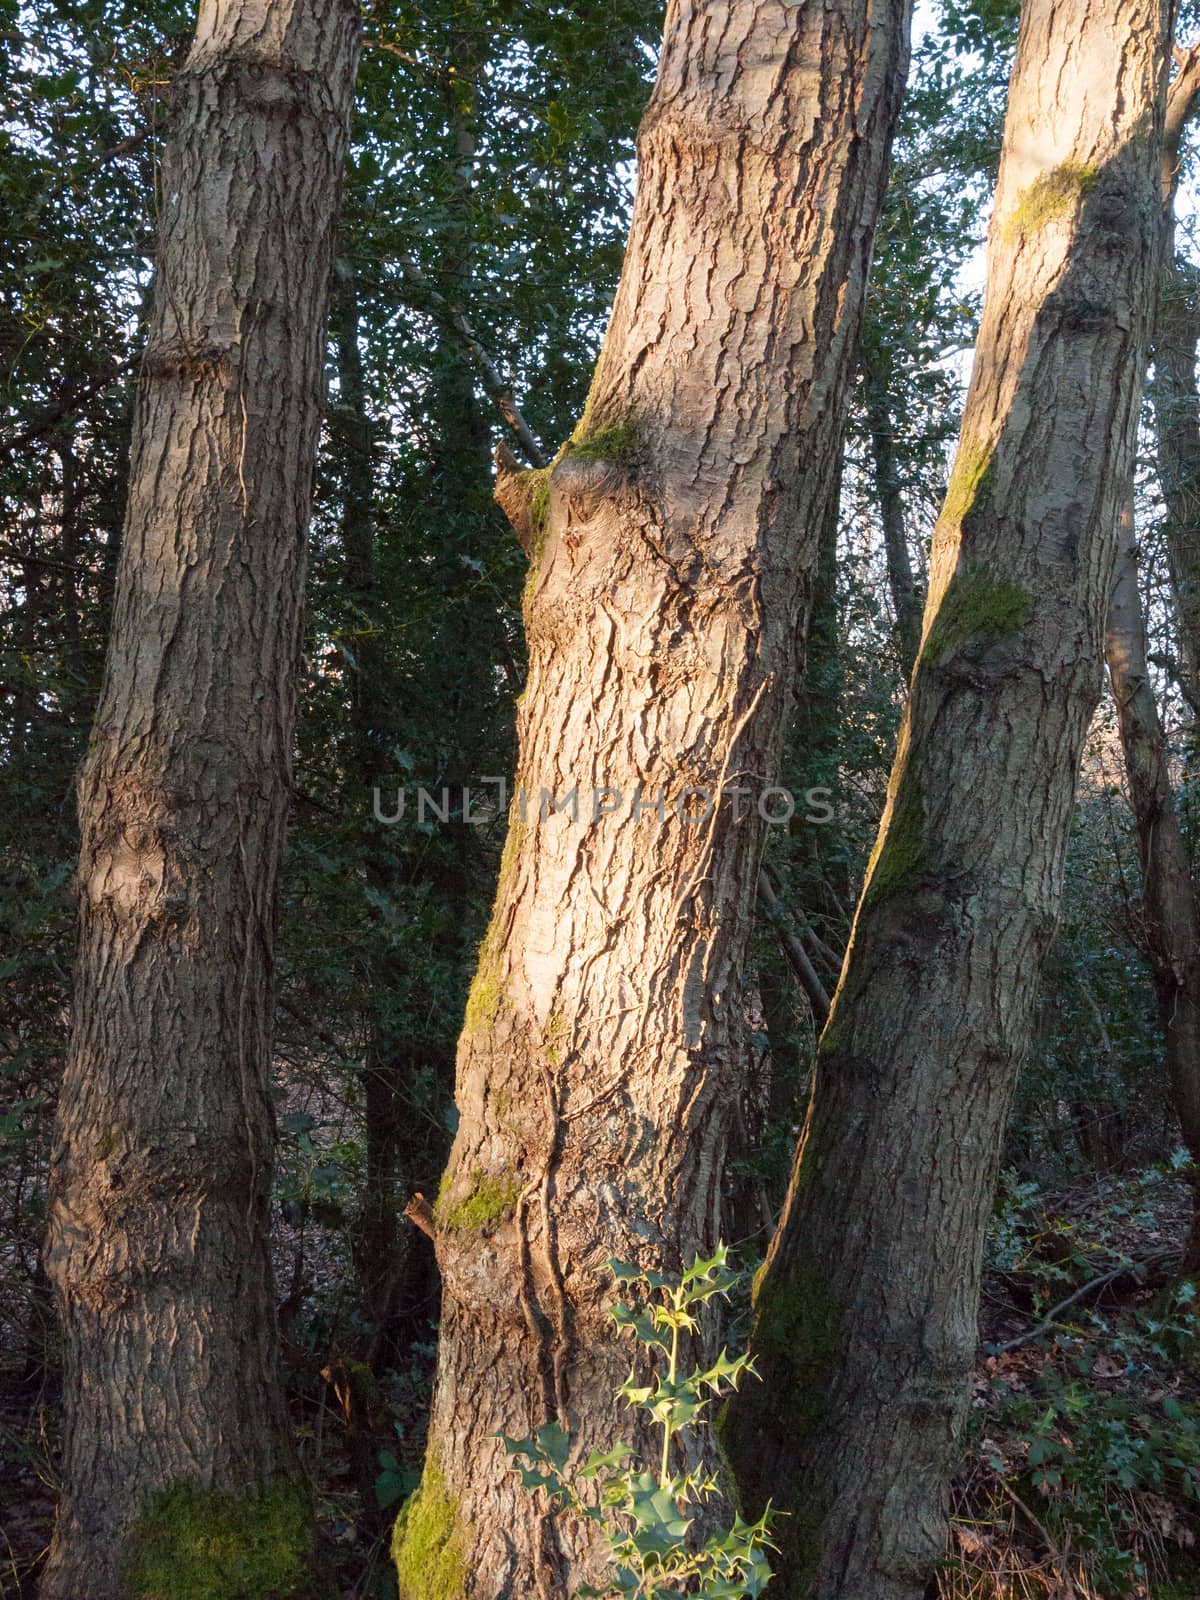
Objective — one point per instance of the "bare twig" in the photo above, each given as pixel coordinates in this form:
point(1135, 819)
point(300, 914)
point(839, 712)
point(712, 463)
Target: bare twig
point(68, 404)
point(795, 952)
point(1138, 1268)
point(499, 390)
point(1181, 100)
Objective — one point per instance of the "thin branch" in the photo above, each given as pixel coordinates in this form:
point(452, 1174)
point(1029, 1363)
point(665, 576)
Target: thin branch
point(66, 405)
point(499, 391)
point(11, 553)
point(1139, 1268)
point(795, 952)
point(1181, 101)
point(419, 1211)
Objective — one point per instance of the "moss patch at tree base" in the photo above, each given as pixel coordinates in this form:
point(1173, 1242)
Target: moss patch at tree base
point(427, 1543)
point(206, 1544)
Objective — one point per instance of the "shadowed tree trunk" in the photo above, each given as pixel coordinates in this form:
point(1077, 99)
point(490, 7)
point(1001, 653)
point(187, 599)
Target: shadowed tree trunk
point(864, 1326)
point(162, 1164)
point(905, 590)
point(1172, 922)
point(1176, 402)
point(1172, 918)
point(672, 548)
point(1175, 397)
point(386, 1072)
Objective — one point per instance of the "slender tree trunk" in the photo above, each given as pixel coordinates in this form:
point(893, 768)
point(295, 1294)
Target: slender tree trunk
point(161, 1170)
point(672, 547)
point(905, 591)
point(379, 1243)
point(865, 1319)
point(1176, 401)
point(1175, 397)
point(1172, 917)
point(1172, 920)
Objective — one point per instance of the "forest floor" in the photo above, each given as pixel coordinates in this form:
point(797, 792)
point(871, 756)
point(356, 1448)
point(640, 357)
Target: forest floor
point(1082, 1476)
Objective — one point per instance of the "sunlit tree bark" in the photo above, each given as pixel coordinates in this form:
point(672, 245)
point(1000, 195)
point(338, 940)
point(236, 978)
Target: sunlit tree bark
point(672, 549)
point(865, 1317)
point(162, 1164)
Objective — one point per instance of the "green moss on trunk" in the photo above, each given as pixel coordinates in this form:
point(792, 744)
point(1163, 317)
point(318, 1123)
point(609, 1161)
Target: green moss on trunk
point(899, 852)
point(969, 479)
point(204, 1544)
point(798, 1340)
point(534, 486)
point(976, 608)
point(427, 1543)
point(616, 441)
point(487, 997)
point(489, 1198)
point(1053, 195)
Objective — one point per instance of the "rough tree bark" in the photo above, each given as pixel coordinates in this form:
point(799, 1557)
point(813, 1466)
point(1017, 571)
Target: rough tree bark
point(671, 546)
point(865, 1316)
point(161, 1169)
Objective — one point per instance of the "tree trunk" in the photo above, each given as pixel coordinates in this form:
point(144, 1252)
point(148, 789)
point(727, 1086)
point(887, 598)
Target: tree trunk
point(864, 1328)
point(1176, 402)
point(1172, 921)
point(672, 547)
point(162, 1165)
point(1175, 397)
point(386, 1072)
point(1172, 916)
point(905, 590)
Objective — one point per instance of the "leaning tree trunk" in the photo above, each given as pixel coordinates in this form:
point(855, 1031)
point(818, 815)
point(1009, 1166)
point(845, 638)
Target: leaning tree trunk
point(162, 1165)
point(671, 549)
point(1172, 918)
point(864, 1329)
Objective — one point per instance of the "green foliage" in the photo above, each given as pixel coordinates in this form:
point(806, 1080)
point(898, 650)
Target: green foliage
point(427, 1543)
point(1091, 1453)
point(394, 1481)
point(203, 1544)
point(648, 1517)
